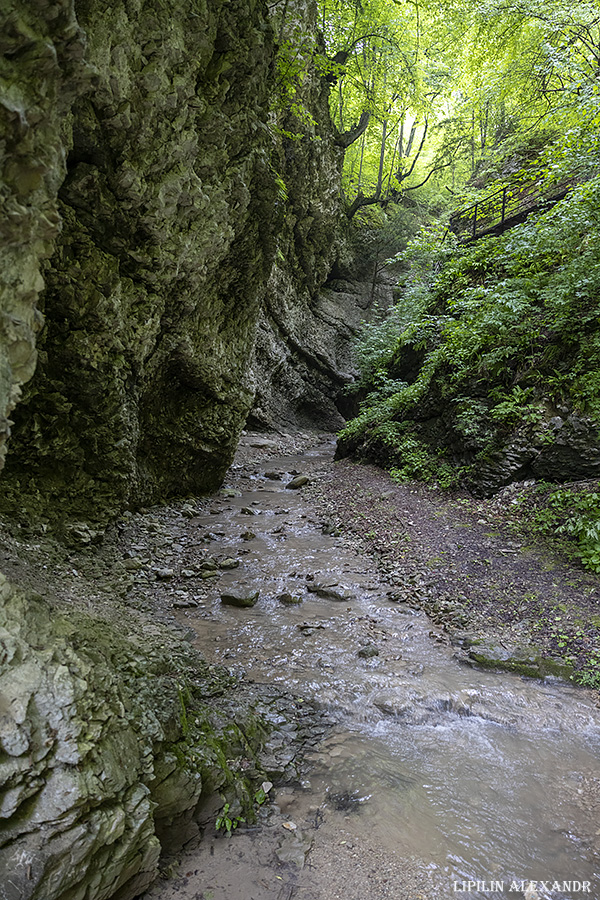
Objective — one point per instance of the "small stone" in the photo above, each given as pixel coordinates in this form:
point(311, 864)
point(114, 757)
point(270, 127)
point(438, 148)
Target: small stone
point(188, 573)
point(214, 511)
point(242, 601)
point(263, 444)
point(273, 476)
point(297, 482)
point(209, 573)
point(133, 564)
point(188, 511)
point(247, 511)
point(368, 652)
point(288, 599)
point(184, 604)
point(229, 563)
point(230, 492)
point(328, 592)
point(164, 574)
point(208, 564)
point(248, 536)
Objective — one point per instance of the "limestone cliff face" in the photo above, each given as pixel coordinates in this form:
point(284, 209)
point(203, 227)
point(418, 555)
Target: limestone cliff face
point(303, 354)
point(152, 295)
point(41, 70)
point(143, 217)
point(176, 240)
point(117, 742)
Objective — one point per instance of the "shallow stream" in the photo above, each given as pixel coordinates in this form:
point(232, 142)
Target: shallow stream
point(476, 776)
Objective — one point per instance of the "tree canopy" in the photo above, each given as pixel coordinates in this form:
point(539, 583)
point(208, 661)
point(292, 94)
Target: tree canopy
point(448, 88)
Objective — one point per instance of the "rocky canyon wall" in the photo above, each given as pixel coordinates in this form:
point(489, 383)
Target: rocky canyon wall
point(153, 214)
point(151, 184)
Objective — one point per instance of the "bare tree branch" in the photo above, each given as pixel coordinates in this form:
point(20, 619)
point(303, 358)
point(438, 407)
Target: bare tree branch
point(348, 137)
point(359, 201)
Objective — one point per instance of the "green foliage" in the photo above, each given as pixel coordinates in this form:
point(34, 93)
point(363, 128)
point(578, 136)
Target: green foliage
point(493, 336)
point(260, 796)
point(589, 675)
point(577, 515)
point(227, 822)
point(457, 90)
point(420, 463)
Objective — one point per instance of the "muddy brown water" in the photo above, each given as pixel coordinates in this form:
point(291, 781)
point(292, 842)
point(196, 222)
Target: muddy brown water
point(436, 776)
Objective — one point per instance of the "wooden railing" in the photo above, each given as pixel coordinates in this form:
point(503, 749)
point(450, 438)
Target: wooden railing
point(507, 207)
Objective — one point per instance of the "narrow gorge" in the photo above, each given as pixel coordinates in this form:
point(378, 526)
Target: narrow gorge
point(207, 627)
point(173, 253)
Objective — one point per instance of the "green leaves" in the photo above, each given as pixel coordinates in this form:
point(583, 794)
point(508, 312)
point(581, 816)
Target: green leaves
point(227, 822)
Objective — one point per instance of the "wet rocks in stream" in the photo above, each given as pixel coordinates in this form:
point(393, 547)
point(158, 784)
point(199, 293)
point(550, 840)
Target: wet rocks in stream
point(242, 599)
point(289, 599)
point(329, 591)
point(368, 652)
point(297, 482)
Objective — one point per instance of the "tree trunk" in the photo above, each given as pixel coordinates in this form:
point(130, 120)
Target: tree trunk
point(411, 138)
point(362, 156)
point(381, 159)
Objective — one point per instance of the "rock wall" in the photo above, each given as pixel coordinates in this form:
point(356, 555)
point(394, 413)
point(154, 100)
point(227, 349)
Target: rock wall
point(41, 71)
point(142, 216)
point(117, 743)
point(316, 295)
point(186, 217)
point(151, 300)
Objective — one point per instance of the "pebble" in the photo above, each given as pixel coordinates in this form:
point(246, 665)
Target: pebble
point(288, 599)
point(248, 511)
point(368, 652)
point(297, 482)
point(240, 600)
point(164, 574)
point(248, 536)
point(229, 563)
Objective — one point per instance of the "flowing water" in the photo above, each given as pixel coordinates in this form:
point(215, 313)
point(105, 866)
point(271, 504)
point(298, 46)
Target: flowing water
point(483, 777)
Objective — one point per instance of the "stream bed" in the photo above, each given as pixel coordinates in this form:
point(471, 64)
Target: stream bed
point(438, 780)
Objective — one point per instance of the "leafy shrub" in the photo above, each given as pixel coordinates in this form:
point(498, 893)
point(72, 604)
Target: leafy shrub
point(575, 514)
point(507, 330)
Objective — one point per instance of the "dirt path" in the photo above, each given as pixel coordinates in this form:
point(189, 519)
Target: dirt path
point(470, 565)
